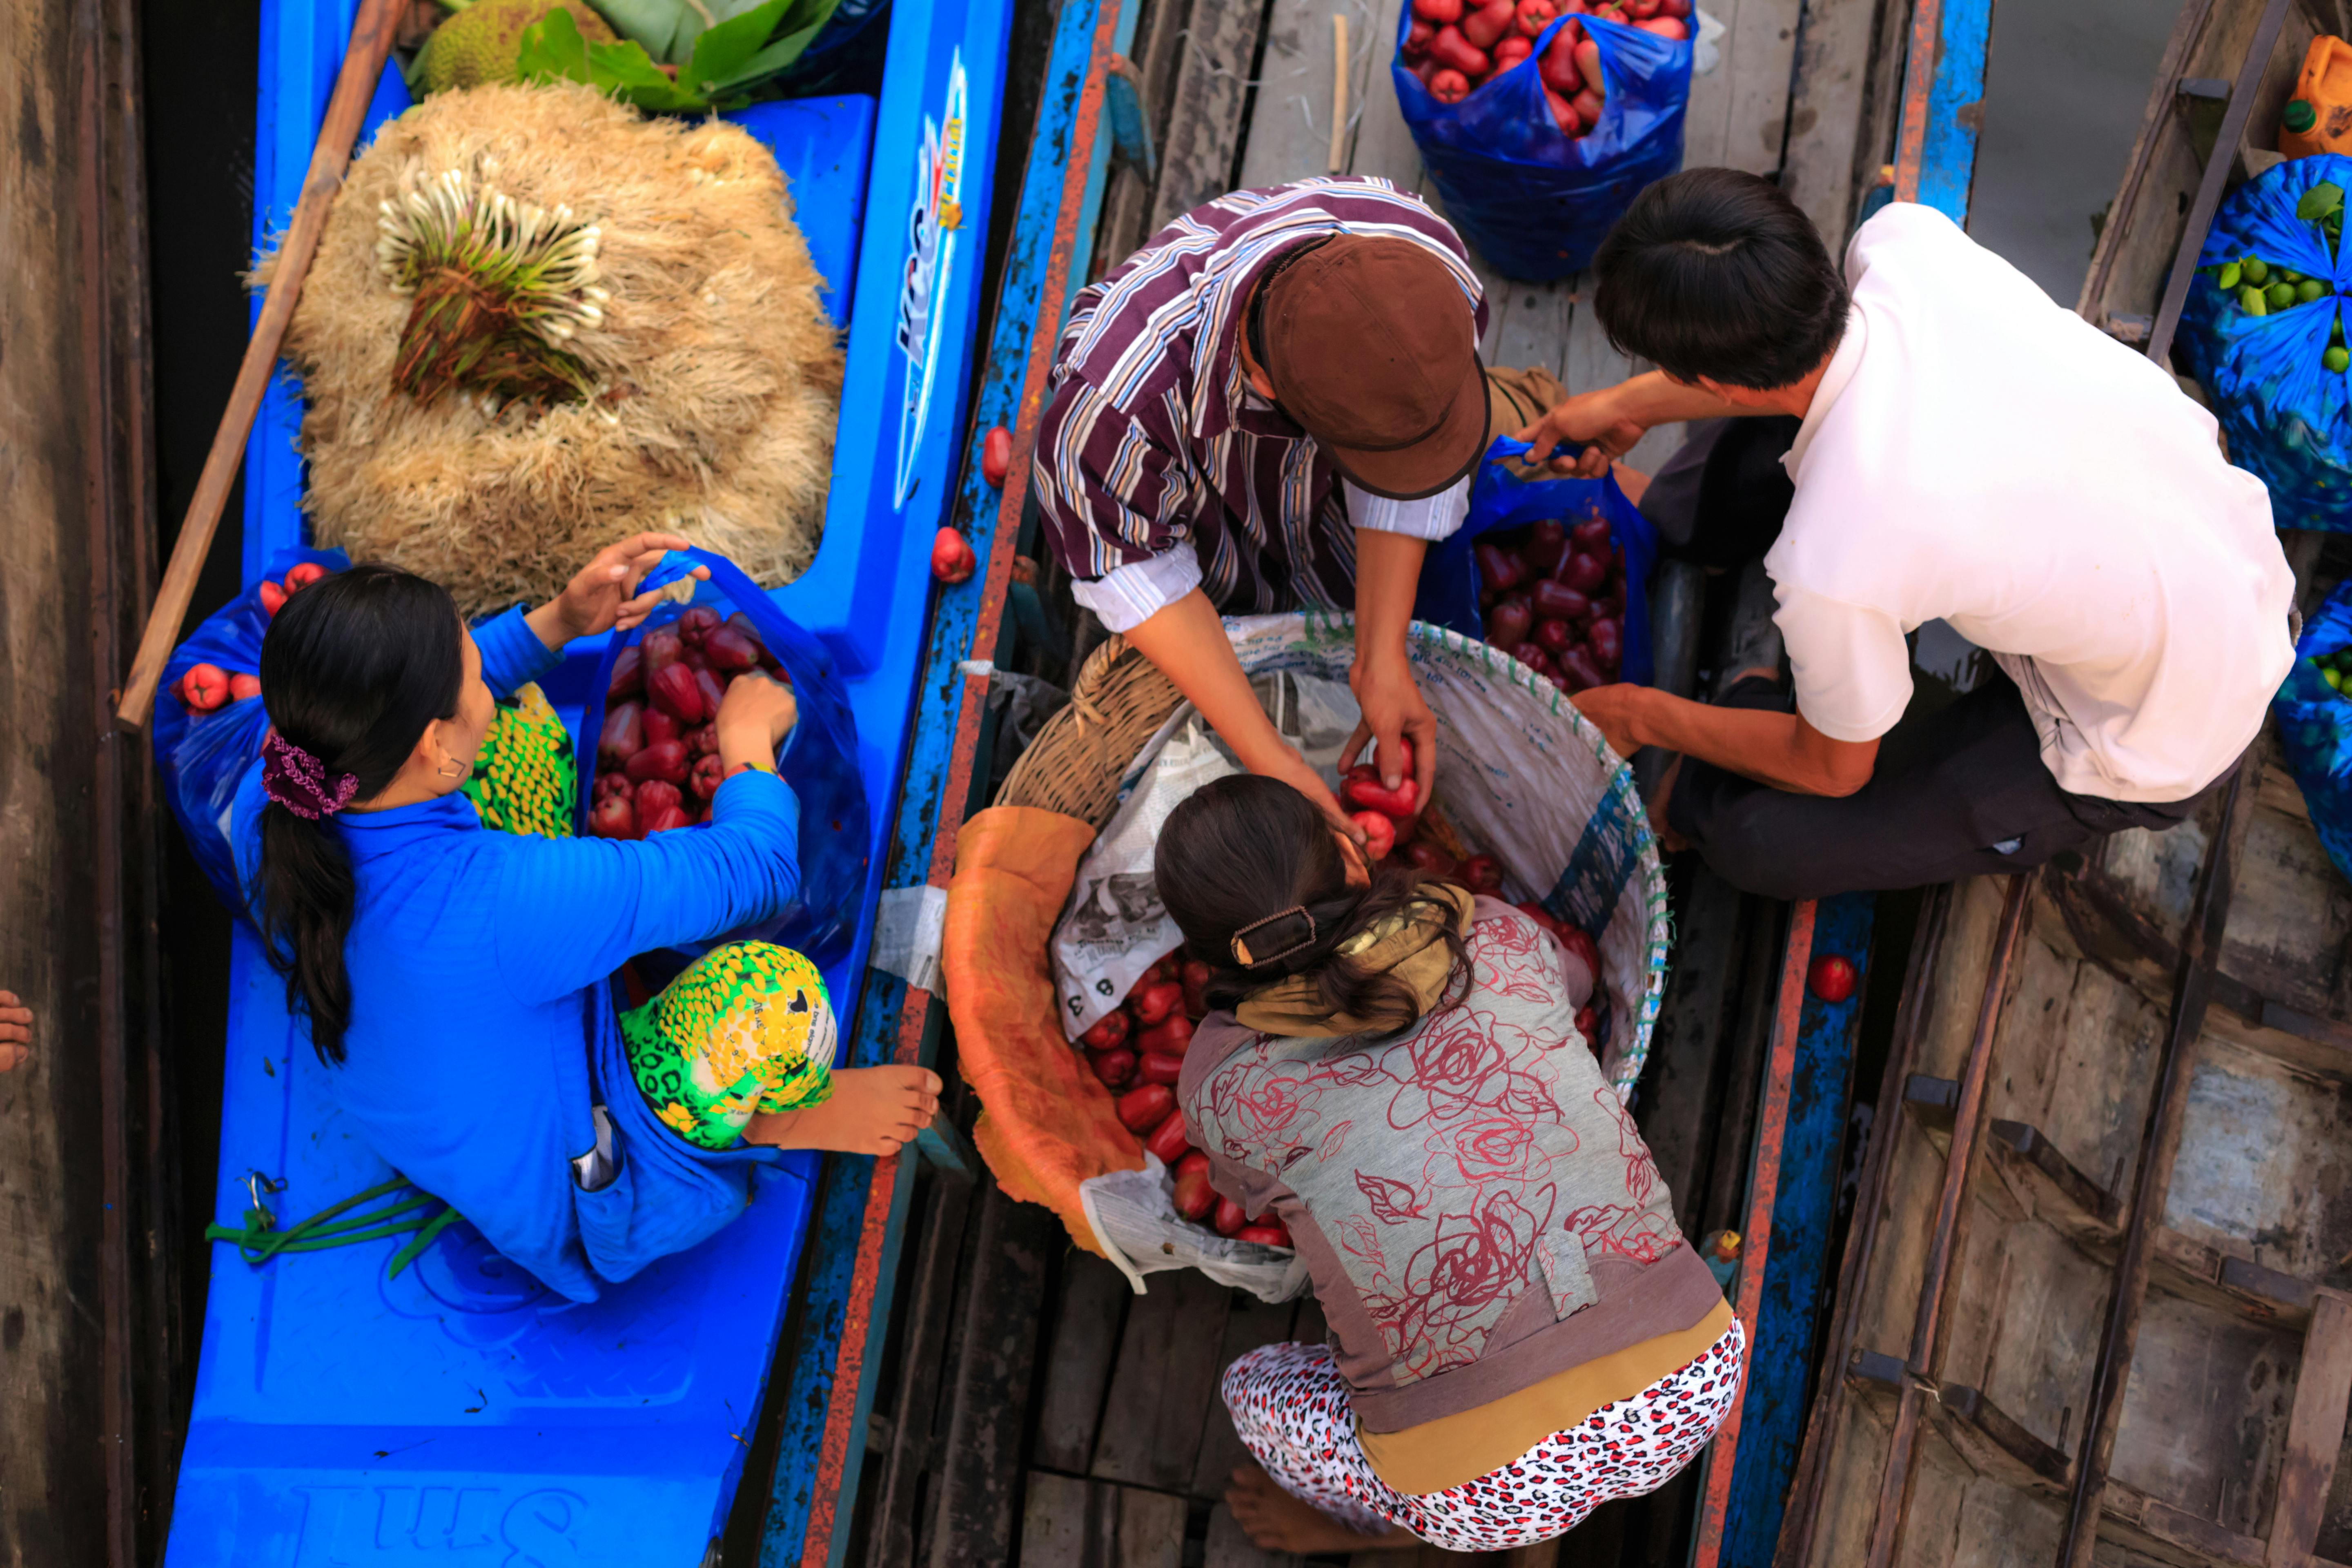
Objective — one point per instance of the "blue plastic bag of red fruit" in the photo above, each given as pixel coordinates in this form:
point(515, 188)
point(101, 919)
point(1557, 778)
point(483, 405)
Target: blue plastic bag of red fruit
point(654, 763)
point(1541, 120)
point(1553, 572)
point(209, 720)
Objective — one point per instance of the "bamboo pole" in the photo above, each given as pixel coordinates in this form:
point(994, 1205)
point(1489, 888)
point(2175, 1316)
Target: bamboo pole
point(370, 46)
point(1339, 92)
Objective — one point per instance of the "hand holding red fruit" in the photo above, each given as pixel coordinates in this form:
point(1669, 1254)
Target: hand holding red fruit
point(604, 595)
point(754, 716)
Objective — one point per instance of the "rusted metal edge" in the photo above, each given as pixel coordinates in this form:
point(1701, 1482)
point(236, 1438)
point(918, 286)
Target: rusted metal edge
point(1756, 1235)
point(1968, 1127)
point(1918, 85)
point(857, 1315)
point(1862, 1237)
point(2216, 175)
point(2209, 915)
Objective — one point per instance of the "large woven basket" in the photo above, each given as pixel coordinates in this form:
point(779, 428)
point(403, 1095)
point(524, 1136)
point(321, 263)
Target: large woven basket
point(1519, 771)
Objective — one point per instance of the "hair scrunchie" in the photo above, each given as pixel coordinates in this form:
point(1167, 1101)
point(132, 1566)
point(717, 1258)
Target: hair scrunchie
point(299, 781)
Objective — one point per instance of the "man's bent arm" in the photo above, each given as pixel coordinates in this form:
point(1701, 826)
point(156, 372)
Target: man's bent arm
point(1776, 749)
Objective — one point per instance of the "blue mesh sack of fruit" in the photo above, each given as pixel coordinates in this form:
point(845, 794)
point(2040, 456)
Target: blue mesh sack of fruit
point(654, 765)
point(209, 719)
point(1553, 572)
point(2314, 724)
point(2264, 331)
point(1541, 120)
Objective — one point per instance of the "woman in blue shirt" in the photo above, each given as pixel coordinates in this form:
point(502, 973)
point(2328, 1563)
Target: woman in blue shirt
point(456, 980)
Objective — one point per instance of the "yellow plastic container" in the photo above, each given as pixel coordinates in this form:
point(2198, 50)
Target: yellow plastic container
point(2318, 118)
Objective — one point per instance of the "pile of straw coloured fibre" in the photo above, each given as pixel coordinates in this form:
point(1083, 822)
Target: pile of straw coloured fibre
point(539, 322)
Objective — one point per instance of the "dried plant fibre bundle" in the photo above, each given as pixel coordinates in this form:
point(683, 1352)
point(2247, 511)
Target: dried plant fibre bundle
point(538, 323)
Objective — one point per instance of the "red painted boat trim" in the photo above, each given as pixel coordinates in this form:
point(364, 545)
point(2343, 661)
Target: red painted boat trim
point(1919, 82)
point(1003, 542)
point(1763, 1190)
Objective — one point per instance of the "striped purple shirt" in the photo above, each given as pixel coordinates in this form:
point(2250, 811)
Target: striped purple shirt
point(1154, 453)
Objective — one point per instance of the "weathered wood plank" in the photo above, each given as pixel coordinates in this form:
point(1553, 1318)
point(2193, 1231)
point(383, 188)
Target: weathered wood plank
point(1227, 1547)
point(1826, 115)
point(1204, 121)
point(1290, 122)
point(1381, 144)
point(1165, 1381)
point(1065, 1522)
point(992, 1358)
point(1150, 1530)
point(912, 1421)
point(1078, 1367)
point(2315, 1432)
point(1250, 1324)
point(1739, 110)
point(1126, 202)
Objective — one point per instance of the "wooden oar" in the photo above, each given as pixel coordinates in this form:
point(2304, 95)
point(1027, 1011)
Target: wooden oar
point(371, 36)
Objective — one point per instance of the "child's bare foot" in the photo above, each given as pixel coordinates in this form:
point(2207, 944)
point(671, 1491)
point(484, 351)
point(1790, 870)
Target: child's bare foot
point(871, 1110)
point(1276, 1522)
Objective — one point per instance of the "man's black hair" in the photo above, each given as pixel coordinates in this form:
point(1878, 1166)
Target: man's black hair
point(1716, 273)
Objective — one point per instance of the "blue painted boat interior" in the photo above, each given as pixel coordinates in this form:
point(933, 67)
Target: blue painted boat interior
point(461, 1413)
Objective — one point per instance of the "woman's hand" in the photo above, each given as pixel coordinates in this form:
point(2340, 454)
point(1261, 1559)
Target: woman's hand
point(1393, 710)
point(1592, 419)
point(604, 595)
point(755, 716)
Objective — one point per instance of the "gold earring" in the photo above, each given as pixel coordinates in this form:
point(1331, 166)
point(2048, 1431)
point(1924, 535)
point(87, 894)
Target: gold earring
point(445, 769)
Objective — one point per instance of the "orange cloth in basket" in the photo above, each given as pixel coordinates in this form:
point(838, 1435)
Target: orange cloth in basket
point(1046, 1122)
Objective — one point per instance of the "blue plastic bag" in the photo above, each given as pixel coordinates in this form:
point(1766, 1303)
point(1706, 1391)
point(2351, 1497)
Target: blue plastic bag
point(1534, 203)
point(2287, 417)
point(2315, 724)
point(1500, 499)
point(203, 756)
point(818, 759)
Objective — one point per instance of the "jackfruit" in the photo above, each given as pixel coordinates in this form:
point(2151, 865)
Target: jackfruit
point(477, 46)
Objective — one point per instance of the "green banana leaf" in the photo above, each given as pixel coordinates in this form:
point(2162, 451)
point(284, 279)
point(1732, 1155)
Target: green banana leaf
point(722, 64)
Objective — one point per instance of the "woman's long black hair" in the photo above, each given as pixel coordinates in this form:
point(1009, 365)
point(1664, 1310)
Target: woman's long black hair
point(352, 669)
point(1244, 848)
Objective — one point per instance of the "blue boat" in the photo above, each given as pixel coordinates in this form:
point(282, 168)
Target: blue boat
point(460, 1411)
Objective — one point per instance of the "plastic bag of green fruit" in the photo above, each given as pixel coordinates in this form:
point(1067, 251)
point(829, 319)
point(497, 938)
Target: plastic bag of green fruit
point(2264, 331)
point(2314, 724)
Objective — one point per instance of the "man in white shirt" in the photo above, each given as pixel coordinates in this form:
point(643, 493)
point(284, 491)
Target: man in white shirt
point(1969, 451)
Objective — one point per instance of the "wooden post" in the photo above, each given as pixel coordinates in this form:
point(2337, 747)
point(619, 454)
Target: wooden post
point(371, 36)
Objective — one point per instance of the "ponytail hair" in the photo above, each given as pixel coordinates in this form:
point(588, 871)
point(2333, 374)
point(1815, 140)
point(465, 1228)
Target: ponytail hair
point(354, 668)
point(1242, 848)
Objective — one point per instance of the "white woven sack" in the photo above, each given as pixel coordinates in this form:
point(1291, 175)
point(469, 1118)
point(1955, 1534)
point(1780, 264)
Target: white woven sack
point(1525, 777)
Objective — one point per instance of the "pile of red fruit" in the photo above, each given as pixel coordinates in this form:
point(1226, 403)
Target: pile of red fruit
point(1457, 46)
point(1555, 600)
point(1394, 823)
point(1137, 1051)
point(657, 756)
point(206, 688)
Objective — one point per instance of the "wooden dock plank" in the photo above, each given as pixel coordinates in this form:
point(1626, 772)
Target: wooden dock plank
point(1826, 107)
point(1078, 1365)
point(1227, 1547)
point(2315, 1435)
point(1150, 1530)
point(1165, 1381)
point(1204, 123)
point(1065, 1522)
point(1250, 1324)
point(1381, 144)
point(1290, 122)
point(1739, 111)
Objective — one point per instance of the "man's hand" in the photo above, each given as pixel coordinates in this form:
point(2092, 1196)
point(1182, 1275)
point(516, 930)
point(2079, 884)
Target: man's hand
point(604, 595)
point(1393, 710)
point(1593, 419)
point(15, 1032)
point(1611, 709)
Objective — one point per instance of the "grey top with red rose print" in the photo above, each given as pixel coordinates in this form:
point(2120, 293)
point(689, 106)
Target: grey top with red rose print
point(1476, 1207)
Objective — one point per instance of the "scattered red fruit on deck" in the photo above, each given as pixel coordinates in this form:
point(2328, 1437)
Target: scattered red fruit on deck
point(951, 557)
point(1832, 977)
point(996, 455)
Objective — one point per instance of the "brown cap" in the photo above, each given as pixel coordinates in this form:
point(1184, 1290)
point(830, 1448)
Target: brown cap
point(1372, 347)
